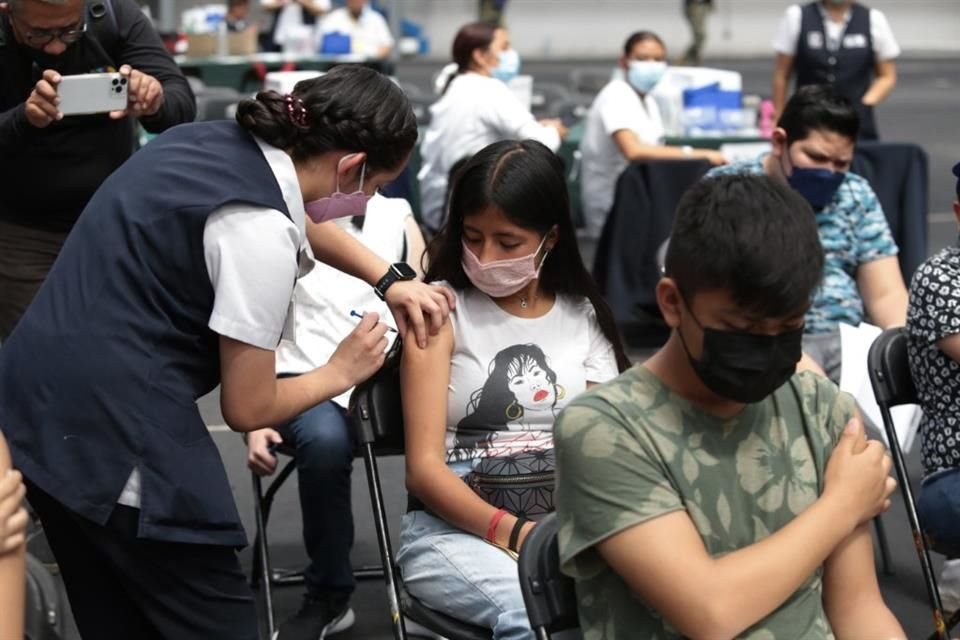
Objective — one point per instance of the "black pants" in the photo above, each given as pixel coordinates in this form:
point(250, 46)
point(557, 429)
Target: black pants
point(121, 586)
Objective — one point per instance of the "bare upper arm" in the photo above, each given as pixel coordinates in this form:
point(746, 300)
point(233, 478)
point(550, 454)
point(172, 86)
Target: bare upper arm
point(246, 374)
point(627, 141)
point(424, 378)
point(672, 554)
point(886, 69)
point(782, 66)
point(416, 245)
point(881, 279)
point(851, 595)
point(849, 574)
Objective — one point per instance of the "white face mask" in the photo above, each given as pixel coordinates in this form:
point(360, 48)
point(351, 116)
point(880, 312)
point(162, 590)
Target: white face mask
point(643, 75)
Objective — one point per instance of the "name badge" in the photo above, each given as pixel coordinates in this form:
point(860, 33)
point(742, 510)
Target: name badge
point(855, 41)
point(815, 40)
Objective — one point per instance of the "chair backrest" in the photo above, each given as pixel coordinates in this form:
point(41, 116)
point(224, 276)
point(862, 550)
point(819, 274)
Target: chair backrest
point(377, 408)
point(549, 595)
point(889, 369)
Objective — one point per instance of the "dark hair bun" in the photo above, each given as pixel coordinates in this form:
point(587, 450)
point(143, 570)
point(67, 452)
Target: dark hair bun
point(266, 117)
point(350, 108)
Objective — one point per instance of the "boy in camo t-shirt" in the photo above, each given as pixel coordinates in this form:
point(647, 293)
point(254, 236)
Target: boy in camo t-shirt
point(712, 492)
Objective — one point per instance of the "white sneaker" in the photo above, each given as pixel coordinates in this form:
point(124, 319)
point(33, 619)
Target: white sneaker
point(949, 585)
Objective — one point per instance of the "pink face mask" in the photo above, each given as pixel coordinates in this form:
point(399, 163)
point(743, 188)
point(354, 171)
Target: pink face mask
point(339, 205)
point(502, 278)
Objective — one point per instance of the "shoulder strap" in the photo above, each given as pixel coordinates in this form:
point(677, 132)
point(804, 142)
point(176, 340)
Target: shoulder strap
point(102, 22)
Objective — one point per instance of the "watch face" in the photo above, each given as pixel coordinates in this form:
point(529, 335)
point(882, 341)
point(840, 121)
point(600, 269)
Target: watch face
point(404, 270)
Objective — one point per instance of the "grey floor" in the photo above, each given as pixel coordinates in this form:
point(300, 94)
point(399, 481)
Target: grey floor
point(922, 110)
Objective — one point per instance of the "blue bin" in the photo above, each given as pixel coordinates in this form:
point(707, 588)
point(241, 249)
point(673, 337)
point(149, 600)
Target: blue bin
point(710, 108)
point(334, 43)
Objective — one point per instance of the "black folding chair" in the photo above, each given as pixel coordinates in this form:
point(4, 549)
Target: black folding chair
point(262, 573)
point(892, 385)
point(548, 595)
point(377, 414)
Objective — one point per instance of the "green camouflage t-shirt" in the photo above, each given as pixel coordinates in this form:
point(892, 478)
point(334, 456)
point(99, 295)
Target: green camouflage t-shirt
point(631, 450)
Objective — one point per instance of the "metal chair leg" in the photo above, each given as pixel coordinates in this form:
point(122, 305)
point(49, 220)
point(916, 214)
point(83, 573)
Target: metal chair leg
point(263, 553)
point(884, 546)
point(383, 537)
point(930, 581)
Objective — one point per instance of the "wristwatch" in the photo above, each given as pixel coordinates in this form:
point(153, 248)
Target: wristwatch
point(398, 271)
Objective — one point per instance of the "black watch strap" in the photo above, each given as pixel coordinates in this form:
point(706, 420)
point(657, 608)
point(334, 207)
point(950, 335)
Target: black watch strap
point(398, 271)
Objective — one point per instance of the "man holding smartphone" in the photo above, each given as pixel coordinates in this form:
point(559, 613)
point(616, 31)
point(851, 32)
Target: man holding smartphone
point(50, 165)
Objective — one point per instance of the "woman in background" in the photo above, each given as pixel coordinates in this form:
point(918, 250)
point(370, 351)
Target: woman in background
point(476, 108)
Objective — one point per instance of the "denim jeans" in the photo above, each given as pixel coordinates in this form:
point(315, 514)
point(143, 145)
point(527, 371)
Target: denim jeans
point(325, 445)
point(461, 575)
point(939, 508)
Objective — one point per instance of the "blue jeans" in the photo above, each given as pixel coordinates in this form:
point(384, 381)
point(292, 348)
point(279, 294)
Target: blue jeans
point(461, 575)
point(939, 508)
point(325, 446)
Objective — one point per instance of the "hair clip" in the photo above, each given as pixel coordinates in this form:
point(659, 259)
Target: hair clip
point(296, 111)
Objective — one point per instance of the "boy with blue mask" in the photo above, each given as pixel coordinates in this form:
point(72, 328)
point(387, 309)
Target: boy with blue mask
point(712, 491)
point(812, 151)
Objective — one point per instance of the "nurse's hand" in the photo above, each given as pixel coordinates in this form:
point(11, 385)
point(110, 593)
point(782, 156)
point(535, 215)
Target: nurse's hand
point(260, 459)
point(422, 307)
point(361, 353)
point(13, 517)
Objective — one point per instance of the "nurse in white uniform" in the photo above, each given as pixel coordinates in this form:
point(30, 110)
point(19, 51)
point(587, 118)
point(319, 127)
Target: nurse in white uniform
point(476, 109)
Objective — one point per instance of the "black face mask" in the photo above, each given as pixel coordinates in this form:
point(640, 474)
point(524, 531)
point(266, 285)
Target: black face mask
point(745, 367)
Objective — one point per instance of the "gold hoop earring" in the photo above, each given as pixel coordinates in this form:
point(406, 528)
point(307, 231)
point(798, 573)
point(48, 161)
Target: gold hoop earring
point(518, 411)
point(561, 392)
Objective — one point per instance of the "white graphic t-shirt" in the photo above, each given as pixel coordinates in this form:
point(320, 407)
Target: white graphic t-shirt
point(510, 376)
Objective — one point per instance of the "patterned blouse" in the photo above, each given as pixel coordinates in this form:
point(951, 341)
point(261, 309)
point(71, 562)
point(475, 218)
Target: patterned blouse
point(934, 314)
point(853, 231)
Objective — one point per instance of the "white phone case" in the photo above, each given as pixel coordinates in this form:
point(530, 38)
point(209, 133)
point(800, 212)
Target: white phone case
point(92, 93)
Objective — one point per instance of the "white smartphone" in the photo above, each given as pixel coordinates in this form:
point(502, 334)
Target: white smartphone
point(92, 93)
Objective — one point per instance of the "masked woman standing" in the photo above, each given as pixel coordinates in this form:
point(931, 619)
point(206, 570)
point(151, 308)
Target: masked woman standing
point(178, 277)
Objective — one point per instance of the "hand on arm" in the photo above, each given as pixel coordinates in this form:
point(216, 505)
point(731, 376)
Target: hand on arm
point(884, 295)
point(252, 397)
point(13, 523)
point(734, 591)
point(884, 81)
point(851, 596)
point(424, 377)
point(410, 302)
point(634, 150)
point(13, 517)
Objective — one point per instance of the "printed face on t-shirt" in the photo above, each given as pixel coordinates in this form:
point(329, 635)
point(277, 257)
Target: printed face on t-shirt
point(529, 384)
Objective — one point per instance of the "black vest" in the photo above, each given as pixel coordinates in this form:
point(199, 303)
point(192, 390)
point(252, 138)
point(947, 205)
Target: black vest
point(850, 69)
point(102, 373)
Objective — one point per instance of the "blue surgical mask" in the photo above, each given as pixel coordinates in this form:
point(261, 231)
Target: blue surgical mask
point(509, 66)
point(643, 75)
point(818, 186)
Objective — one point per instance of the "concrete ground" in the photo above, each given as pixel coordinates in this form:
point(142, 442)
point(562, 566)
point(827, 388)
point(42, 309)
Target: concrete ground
point(922, 110)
